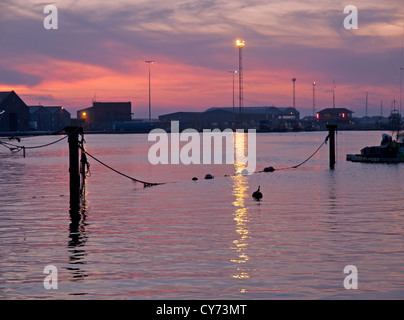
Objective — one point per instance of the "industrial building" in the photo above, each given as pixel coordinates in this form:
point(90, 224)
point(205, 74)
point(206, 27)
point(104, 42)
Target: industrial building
point(48, 118)
point(102, 115)
point(339, 116)
point(261, 118)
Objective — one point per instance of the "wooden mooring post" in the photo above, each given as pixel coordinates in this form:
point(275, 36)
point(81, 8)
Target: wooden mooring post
point(332, 129)
point(74, 165)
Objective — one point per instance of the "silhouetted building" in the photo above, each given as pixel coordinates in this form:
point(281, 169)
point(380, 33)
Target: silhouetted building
point(52, 118)
point(60, 117)
point(339, 116)
point(271, 118)
point(102, 115)
point(14, 112)
point(39, 118)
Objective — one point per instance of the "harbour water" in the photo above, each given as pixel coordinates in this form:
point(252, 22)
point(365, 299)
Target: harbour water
point(205, 239)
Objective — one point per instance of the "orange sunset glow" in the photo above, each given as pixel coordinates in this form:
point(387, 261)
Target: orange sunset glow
point(99, 49)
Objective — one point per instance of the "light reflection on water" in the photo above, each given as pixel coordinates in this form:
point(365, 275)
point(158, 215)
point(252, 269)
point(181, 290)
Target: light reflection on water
point(205, 238)
point(240, 188)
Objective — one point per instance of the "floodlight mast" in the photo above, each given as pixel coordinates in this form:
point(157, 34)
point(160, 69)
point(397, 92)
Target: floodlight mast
point(240, 44)
point(149, 62)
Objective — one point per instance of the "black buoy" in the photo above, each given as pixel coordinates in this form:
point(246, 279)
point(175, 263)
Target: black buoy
point(269, 169)
point(208, 176)
point(257, 195)
point(194, 178)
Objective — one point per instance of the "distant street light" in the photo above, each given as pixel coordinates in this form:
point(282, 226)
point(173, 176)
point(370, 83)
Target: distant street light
point(233, 72)
point(149, 62)
point(294, 93)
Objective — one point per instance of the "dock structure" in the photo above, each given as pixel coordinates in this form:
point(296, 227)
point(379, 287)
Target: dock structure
point(360, 158)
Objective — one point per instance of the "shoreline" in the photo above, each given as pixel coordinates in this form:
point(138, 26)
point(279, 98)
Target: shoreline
point(12, 134)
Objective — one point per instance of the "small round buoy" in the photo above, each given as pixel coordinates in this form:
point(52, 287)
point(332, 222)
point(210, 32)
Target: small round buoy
point(244, 172)
point(257, 195)
point(194, 178)
point(269, 169)
point(208, 176)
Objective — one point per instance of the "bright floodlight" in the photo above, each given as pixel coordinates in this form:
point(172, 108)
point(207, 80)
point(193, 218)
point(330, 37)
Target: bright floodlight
point(240, 43)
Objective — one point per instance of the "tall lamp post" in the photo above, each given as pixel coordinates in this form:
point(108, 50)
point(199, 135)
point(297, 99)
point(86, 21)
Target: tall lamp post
point(314, 98)
point(149, 62)
point(240, 44)
point(233, 72)
point(401, 81)
point(294, 96)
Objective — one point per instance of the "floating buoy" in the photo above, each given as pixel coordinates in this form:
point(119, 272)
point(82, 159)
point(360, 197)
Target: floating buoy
point(194, 178)
point(208, 176)
point(269, 169)
point(257, 195)
point(244, 172)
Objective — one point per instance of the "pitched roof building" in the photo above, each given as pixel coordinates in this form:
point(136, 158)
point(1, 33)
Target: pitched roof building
point(14, 112)
point(52, 118)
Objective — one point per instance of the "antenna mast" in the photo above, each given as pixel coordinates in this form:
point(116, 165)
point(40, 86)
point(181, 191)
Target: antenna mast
point(333, 93)
point(381, 108)
point(366, 111)
point(401, 78)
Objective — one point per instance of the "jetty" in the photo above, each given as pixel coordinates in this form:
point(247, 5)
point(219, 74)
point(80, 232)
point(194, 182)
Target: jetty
point(360, 158)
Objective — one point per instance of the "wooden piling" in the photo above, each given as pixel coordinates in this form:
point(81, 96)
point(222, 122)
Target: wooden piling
point(74, 168)
point(331, 129)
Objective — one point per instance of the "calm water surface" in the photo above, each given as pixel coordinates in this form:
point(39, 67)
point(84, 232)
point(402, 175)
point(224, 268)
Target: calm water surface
point(205, 239)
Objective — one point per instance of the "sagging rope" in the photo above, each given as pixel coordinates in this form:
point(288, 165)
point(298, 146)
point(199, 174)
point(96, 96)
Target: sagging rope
point(272, 169)
point(85, 166)
point(12, 147)
point(16, 148)
point(149, 184)
point(317, 150)
point(145, 183)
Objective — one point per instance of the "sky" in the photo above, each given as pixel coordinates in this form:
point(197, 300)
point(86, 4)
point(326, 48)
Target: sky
point(100, 47)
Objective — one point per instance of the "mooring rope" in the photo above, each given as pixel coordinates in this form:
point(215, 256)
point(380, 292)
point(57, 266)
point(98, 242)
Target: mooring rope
point(148, 184)
point(272, 169)
point(84, 167)
point(311, 156)
point(17, 148)
point(145, 183)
